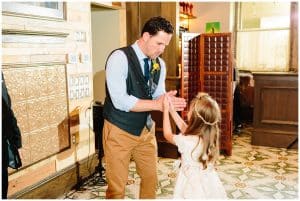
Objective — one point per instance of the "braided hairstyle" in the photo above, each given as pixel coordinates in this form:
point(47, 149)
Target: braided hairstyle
point(204, 117)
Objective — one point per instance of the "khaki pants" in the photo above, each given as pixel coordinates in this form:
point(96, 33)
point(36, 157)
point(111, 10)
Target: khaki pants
point(119, 147)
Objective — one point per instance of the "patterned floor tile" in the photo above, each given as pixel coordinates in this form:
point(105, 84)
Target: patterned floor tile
point(252, 172)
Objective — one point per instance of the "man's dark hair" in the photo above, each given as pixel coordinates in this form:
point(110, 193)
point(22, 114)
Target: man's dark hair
point(156, 24)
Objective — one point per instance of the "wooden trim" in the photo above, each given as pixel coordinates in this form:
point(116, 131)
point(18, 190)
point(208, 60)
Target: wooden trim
point(280, 122)
point(173, 77)
point(274, 138)
point(96, 5)
point(294, 37)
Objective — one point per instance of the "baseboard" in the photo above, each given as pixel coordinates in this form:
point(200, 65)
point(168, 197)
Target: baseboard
point(274, 138)
point(58, 184)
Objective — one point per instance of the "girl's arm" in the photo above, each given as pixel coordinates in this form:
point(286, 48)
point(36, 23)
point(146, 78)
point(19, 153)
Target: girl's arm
point(178, 120)
point(166, 121)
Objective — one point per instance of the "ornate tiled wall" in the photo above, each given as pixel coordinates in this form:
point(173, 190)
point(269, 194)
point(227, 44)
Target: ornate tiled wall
point(39, 100)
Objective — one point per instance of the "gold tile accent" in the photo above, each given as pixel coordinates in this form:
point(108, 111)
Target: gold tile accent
point(20, 110)
point(39, 100)
point(25, 150)
point(240, 185)
point(279, 177)
point(15, 84)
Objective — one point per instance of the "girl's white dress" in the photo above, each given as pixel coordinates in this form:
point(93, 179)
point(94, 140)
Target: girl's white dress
point(192, 181)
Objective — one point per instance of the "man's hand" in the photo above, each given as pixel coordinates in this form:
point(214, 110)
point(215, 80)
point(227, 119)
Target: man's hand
point(178, 103)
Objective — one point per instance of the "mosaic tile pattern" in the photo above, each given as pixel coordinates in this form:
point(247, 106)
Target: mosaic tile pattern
point(252, 172)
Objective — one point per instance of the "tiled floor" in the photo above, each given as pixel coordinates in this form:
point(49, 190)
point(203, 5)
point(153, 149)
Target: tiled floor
point(252, 172)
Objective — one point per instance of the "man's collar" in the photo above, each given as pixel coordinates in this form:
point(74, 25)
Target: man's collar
point(140, 54)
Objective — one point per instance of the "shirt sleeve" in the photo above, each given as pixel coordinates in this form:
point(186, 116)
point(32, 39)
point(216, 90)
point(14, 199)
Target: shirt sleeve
point(179, 141)
point(116, 75)
point(161, 88)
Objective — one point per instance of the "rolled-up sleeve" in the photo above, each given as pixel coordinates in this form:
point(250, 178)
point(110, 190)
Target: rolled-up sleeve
point(116, 75)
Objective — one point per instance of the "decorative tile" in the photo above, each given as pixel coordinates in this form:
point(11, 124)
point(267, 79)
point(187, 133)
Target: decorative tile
point(41, 108)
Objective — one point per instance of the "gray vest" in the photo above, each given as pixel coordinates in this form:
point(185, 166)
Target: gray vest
point(132, 122)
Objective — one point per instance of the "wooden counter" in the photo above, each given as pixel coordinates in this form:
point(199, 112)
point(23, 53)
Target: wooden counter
point(275, 118)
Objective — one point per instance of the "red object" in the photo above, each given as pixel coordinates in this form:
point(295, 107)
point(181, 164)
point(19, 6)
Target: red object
point(191, 9)
point(181, 4)
point(184, 7)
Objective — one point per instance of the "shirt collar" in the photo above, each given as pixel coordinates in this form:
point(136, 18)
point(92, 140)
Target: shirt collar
point(138, 51)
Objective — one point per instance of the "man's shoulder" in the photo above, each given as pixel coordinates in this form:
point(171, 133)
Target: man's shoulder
point(119, 52)
point(127, 50)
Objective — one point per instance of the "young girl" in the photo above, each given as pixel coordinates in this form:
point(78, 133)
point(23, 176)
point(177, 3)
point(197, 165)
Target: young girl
point(198, 144)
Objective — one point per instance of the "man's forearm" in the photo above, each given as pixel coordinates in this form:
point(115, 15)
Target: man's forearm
point(146, 105)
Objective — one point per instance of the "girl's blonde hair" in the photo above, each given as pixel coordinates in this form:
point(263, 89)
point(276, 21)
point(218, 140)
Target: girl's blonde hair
point(204, 118)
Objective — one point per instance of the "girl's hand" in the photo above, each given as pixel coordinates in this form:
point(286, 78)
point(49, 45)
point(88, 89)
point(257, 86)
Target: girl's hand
point(166, 103)
point(178, 103)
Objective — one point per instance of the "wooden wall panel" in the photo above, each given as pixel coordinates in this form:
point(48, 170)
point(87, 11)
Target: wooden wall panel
point(207, 67)
point(190, 68)
point(137, 13)
point(216, 79)
point(275, 118)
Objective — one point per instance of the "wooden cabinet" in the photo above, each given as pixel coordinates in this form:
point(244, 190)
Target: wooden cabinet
point(275, 118)
point(207, 67)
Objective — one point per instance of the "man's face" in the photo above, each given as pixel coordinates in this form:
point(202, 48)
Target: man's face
point(155, 45)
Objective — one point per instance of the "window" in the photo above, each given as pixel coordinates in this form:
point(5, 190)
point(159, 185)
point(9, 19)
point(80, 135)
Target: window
point(263, 36)
point(53, 5)
point(54, 10)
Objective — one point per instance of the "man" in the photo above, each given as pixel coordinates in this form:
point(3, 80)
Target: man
point(133, 89)
point(11, 131)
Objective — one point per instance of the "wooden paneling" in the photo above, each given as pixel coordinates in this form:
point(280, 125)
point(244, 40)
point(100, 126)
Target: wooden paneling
point(294, 37)
point(170, 11)
point(137, 13)
point(279, 96)
point(207, 67)
point(216, 79)
point(190, 68)
point(31, 177)
point(275, 118)
point(132, 21)
point(56, 184)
